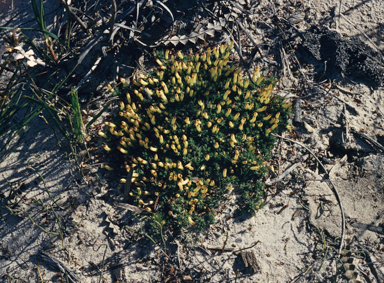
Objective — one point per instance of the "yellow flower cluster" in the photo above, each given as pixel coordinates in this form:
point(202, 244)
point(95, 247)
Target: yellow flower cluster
point(192, 126)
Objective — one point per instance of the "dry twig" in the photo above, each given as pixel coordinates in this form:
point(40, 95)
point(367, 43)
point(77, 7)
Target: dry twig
point(329, 182)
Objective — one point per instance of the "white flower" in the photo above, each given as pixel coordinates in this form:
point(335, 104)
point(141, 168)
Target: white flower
point(29, 55)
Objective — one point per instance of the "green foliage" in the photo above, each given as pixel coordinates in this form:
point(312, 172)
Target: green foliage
point(192, 129)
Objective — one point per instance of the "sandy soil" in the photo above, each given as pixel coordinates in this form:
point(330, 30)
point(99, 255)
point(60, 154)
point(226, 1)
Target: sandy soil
point(295, 238)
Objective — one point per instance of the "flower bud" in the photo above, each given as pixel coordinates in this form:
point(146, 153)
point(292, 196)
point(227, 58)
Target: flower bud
point(107, 148)
point(233, 138)
point(159, 62)
point(102, 134)
point(106, 166)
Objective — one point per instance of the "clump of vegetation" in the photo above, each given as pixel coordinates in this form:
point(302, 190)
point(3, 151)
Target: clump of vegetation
point(193, 129)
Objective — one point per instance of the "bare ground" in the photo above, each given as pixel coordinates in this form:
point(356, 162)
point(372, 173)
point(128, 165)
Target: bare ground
point(294, 238)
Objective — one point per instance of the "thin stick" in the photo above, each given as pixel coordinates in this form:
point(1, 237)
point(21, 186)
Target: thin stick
point(114, 12)
point(280, 177)
point(329, 182)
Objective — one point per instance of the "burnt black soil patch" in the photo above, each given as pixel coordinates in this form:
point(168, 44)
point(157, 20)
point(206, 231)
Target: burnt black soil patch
point(351, 56)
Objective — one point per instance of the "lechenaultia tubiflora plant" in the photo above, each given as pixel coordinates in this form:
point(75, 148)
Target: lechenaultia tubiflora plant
point(192, 129)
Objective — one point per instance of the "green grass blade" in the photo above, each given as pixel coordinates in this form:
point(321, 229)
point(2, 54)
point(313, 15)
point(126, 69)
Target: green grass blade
point(98, 115)
point(51, 113)
point(77, 119)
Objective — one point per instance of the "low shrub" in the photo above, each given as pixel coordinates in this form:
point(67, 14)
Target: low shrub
point(191, 130)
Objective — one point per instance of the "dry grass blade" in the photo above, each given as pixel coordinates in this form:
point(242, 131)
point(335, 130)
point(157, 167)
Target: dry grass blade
point(132, 29)
point(328, 181)
point(130, 207)
point(166, 8)
point(57, 264)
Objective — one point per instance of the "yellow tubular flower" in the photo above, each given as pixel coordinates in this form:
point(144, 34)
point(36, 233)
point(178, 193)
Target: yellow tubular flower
point(106, 166)
point(255, 168)
point(207, 157)
point(180, 55)
point(236, 155)
point(225, 173)
point(256, 74)
point(151, 148)
point(107, 148)
point(218, 108)
point(180, 165)
point(216, 52)
point(236, 116)
point(235, 77)
point(159, 62)
point(128, 98)
point(241, 126)
point(262, 108)
point(124, 82)
point(246, 84)
point(231, 124)
point(226, 94)
point(164, 87)
point(286, 105)
point(187, 121)
point(191, 221)
point(110, 124)
point(254, 117)
point(229, 110)
point(267, 117)
point(223, 48)
point(122, 150)
point(274, 126)
point(102, 134)
point(200, 102)
point(233, 138)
